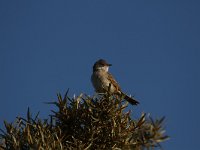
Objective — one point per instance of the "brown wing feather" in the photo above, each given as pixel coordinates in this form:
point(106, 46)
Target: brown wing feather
point(114, 82)
point(131, 100)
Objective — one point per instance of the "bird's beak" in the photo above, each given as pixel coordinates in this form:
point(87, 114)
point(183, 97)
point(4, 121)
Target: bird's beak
point(109, 64)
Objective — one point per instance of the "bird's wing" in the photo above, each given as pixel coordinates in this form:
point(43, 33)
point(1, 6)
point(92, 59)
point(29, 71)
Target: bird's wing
point(113, 82)
point(131, 100)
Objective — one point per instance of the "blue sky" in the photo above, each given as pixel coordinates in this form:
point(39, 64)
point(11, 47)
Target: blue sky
point(49, 46)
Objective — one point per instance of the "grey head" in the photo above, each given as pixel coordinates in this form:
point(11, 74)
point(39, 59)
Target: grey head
point(101, 63)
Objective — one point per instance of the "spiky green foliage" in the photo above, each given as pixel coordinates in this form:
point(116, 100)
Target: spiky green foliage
point(84, 123)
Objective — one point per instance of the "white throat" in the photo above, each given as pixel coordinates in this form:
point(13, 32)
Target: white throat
point(104, 68)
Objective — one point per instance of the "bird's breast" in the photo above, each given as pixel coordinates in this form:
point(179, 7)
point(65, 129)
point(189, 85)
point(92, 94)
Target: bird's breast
point(101, 83)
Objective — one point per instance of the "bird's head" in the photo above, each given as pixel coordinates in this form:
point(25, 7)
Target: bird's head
point(101, 64)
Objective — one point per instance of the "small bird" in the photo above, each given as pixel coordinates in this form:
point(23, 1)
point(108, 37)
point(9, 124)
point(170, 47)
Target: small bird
point(103, 81)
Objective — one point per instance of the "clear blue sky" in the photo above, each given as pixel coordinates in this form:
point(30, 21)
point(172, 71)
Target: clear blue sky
point(49, 46)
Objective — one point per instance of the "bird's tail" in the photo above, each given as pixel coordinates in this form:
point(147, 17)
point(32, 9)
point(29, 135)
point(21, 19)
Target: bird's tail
point(131, 100)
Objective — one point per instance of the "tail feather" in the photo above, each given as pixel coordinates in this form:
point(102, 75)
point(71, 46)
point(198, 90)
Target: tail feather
point(131, 100)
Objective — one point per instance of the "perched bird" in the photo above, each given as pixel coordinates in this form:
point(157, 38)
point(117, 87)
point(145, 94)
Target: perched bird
point(103, 81)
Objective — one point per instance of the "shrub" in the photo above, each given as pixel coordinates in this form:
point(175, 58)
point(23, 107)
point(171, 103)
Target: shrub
point(85, 123)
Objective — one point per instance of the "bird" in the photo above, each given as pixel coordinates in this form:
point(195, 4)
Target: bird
point(103, 81)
